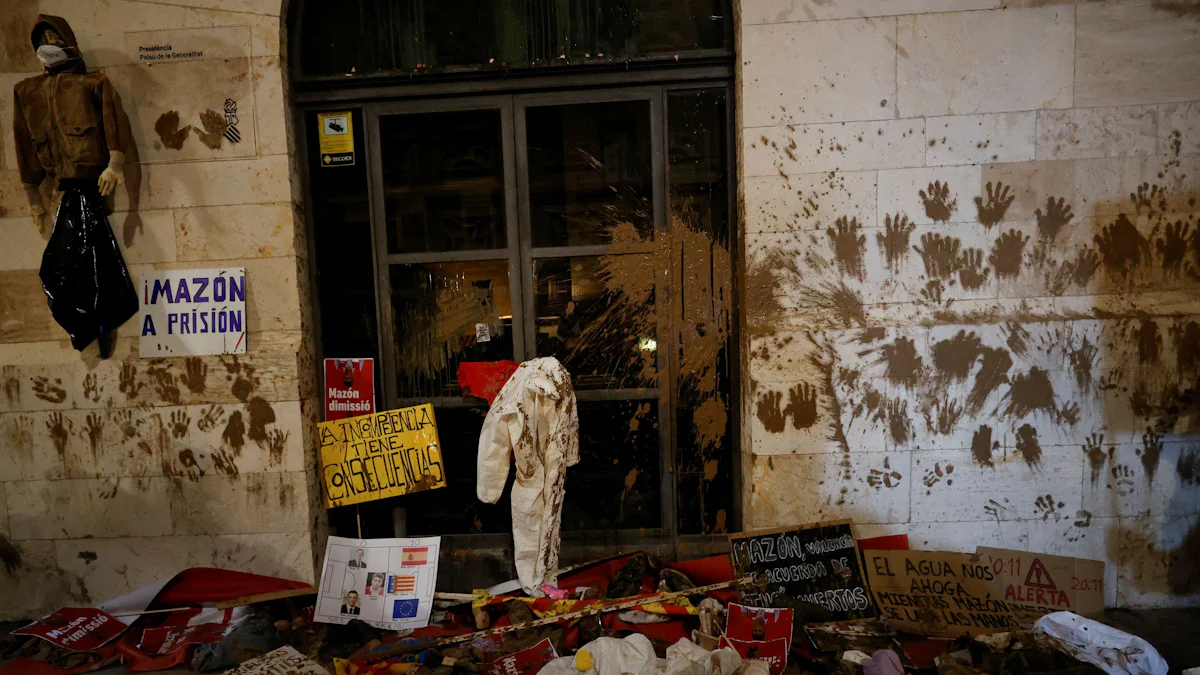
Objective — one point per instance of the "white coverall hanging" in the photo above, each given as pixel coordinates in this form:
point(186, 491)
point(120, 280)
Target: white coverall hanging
point(534, 422)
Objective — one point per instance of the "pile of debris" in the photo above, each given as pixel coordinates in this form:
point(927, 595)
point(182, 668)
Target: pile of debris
point(622, 615)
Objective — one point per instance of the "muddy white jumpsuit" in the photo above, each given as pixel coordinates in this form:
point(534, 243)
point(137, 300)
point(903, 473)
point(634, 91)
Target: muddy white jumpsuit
point(534, 421)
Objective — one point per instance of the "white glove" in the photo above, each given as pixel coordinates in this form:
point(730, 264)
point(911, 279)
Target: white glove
point(112, 174)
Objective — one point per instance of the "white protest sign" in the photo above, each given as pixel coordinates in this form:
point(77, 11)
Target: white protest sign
point(387, 583)
point(283, 661)
point(193, 312)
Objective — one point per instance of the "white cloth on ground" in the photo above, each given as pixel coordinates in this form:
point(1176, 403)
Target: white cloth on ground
point(534, 422)
point(1110, 649)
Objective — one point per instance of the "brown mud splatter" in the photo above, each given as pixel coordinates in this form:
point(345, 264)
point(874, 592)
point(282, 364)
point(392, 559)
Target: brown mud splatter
point(837, 299)
point(899, 424)
point(1007, 253)
point(48, 390)
point(163, 380)
point(223, 463)
point(903, 365)
point(128, 383)
point(769, 412)
point(276, 444)
point(710, 420)
point(88, 557)
point(802, 405)
point(1016, 337)
point(1122, 247)
point(195, 374)
point(1083, 359)
point(1093, 449)
point(1187, 347)
point(261, 414)
point(954, 357)
point(187, 459)
point(214, 129)
point(893, 241)
point(60, 433)
point(1030, 392)
point(942, 414)
point(972, 274)
point(1173, 247)
point(1152, 447)
point(763, 290)
point(12, 389)
point(235, 433)
point(992, 211)
point(848, 247)
point(939, 254)
point(1055, 218)
point(824, 358)
point(1188, 467)
point(939, 204)
point(94, 431)
point(993, 372)
point(1149, 342)
point(1027, 445)
point(169, 132)
point(982, 446)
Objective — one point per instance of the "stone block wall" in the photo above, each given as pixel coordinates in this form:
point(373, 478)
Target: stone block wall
point(972, 278)
point(117, 472)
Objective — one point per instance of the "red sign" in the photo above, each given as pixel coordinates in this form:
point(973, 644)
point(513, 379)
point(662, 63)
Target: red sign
point(525, 662)
point(760, 623)
point(774, 652)
point(164, 639)
point(349, 388)
point(79, 629)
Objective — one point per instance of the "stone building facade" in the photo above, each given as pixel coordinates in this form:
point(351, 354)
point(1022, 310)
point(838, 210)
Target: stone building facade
point(968, 293)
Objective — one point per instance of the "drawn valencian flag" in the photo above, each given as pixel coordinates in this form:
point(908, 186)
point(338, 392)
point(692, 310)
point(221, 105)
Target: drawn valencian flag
point(414, 556)
point(402, 584)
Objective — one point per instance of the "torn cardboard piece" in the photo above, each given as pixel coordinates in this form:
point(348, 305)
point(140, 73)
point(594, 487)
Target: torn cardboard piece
point(942, 594)
point(282, 661)
point(1047, 583)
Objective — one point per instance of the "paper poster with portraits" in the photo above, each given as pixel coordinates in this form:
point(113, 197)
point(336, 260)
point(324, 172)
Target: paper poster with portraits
point(387, 583)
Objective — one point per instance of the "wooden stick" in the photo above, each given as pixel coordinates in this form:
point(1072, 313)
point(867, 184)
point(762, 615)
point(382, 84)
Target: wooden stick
point(457, 597)
point(264, 597)
point(154, 611)
point(386, 651)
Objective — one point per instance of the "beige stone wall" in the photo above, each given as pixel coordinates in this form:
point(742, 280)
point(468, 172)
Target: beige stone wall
point(117, 472)
point(936, 345)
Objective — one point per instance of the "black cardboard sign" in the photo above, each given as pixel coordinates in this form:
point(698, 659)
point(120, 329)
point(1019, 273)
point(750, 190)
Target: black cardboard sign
point(816, 563)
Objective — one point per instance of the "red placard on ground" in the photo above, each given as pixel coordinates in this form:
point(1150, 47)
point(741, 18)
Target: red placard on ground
point(525, 662)
point(774, 652)
point(79, 629)
point(760, 623)
point(349, 388)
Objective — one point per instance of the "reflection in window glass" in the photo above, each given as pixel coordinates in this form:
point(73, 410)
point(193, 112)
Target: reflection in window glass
point(616, 484)
point(699, 224)
point(455, 509)
point(356, 37)
point(590, 173)
point(443, 181)
point(445, 313)
point(596, 315)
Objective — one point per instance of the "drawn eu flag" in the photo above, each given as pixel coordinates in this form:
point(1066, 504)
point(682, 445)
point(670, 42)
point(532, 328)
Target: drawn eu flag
point(404, 609)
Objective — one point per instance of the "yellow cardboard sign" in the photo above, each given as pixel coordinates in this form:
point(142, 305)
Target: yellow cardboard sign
point(336, 138)
point(391, 453)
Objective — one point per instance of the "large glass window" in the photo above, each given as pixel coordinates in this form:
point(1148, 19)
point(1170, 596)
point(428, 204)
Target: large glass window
point(592, 226)
point(364, 37)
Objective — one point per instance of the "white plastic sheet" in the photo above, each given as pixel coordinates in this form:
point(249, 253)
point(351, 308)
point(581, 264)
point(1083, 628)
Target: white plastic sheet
point(1109, 649)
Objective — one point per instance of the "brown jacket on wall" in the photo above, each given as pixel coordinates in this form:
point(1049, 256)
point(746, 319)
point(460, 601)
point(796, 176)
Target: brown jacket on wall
point(66, 121)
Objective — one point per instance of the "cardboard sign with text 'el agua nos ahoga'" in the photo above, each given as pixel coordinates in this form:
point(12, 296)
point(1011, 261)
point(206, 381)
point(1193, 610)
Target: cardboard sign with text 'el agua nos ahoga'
point(943, 594)
point(387, 454)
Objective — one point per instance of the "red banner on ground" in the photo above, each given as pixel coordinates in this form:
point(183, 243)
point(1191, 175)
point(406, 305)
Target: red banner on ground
point(79, 629)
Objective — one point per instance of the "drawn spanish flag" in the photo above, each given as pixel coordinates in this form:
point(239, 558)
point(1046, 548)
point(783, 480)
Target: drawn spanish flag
point(414, 556)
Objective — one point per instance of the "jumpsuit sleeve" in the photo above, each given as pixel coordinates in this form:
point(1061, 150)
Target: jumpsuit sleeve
point(28, 165)
point(495, 453)
point(116, 124)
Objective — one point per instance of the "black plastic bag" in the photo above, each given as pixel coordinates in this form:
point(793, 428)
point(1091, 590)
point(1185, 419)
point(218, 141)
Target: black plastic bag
point(83, 274)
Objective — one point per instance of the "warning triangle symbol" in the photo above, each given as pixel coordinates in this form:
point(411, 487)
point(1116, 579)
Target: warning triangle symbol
point(1039, 576)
